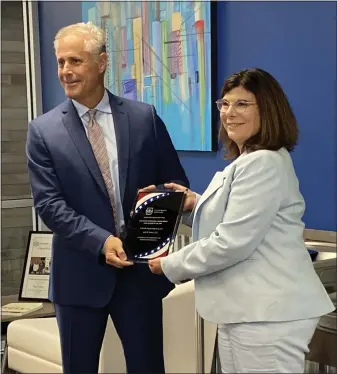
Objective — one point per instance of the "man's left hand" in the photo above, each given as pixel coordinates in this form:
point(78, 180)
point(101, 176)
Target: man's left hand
point(155, 266)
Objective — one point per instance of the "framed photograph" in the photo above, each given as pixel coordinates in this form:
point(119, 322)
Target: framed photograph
point(36, 271)
point(163, 53)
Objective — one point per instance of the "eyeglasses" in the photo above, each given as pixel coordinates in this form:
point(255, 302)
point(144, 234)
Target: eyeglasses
point(240, 106)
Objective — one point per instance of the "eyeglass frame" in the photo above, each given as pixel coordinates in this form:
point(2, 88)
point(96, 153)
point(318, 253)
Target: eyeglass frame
point(220, 101)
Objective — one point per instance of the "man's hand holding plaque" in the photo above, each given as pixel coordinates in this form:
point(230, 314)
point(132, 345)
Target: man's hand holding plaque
point(114, 253)
point(153, 224)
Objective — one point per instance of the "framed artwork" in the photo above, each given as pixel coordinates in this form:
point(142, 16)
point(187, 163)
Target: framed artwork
point(36, 270)
point(161, 53)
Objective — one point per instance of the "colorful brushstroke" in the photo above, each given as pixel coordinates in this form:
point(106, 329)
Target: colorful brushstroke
point(160, 53)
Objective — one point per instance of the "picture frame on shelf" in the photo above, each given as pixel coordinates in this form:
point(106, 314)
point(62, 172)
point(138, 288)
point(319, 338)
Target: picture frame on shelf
point(36, 270)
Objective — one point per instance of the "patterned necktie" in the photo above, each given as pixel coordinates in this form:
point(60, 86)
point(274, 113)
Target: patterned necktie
point(97, 141)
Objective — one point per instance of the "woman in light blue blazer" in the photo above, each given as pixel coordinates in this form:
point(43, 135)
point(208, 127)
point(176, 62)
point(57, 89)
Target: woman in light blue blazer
point(253, 274)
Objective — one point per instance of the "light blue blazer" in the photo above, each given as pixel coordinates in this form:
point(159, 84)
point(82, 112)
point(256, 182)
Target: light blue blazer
point(248, 257)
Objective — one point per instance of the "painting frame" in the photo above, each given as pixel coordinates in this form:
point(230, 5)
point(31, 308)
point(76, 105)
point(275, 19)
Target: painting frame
point(35, 281)
point(189, 113)
point(214, 77)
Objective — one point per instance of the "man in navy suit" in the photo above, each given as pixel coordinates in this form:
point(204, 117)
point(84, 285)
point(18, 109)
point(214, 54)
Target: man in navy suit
point(87, 205)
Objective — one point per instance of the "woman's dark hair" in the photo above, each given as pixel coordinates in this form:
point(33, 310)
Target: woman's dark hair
point(278, 123)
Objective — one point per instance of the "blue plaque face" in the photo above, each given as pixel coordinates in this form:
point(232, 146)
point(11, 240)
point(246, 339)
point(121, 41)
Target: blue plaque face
point(153, 225)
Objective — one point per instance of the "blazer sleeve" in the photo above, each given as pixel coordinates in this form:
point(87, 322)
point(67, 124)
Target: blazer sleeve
point(49, 201)
point(255, 198)
point(169, 166)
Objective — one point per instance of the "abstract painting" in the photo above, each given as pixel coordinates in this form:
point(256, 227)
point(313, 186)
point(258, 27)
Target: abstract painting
point(160, 53)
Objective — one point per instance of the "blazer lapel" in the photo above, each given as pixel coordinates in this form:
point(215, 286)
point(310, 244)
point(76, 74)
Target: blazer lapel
point(76, 131)
point(122, 131)
point(216, 183)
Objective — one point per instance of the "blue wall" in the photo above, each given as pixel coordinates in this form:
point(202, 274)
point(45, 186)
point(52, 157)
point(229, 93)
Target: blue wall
point(294, 41)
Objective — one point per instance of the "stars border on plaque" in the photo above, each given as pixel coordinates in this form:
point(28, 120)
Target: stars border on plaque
point(145, 203)
point(162, 245)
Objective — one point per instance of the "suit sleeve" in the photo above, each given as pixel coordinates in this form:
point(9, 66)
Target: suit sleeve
point(253, 203)
point(169, 166)
point(50, 203)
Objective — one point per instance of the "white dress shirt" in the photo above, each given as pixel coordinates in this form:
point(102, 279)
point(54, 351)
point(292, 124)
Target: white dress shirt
point(105, 120)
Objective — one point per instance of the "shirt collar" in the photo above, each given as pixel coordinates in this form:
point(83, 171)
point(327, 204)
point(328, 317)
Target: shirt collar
point(102, 106)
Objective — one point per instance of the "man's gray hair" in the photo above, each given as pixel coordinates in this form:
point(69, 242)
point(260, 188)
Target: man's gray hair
point(93, 36)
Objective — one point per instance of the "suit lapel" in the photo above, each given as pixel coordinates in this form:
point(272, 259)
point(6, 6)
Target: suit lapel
point(76, 131)
point(217, 181)
point(122, 131)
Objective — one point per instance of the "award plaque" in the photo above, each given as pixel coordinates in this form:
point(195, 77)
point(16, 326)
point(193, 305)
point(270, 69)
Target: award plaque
point(153, 224)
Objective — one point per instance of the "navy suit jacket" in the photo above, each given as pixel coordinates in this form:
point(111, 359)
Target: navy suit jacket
point(71, 198)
